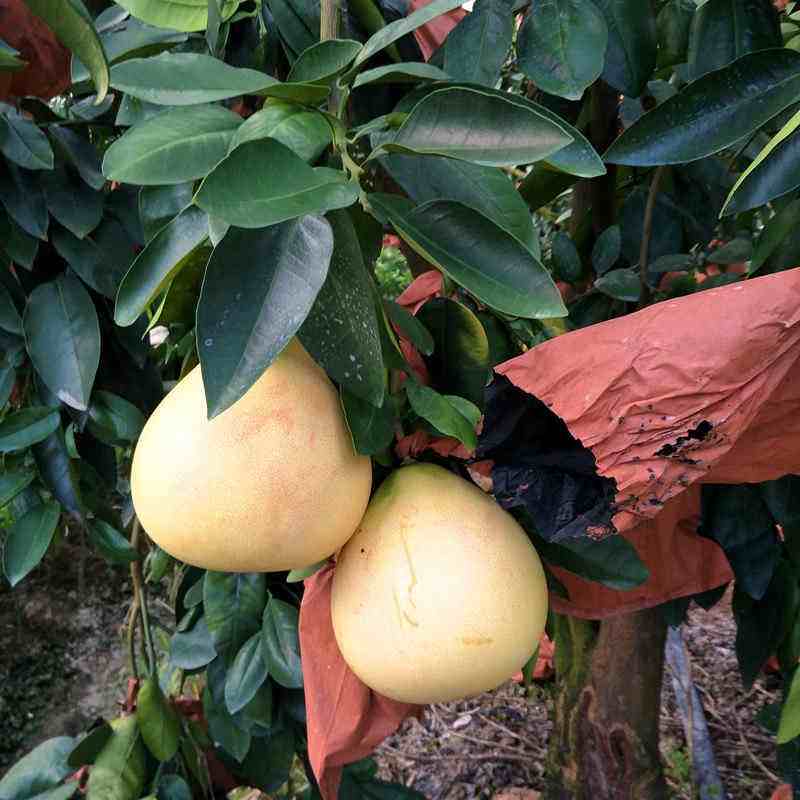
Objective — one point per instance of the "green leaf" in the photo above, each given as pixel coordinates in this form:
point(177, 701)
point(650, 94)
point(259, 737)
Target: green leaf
point(410, 327)
point(63, 337)
point(733, 252)
point(485, 189)
point(566, 260)
point(258, 289)
point(112, 545)
point(72, 24)
point(128, 39)
point(245, 675)
point(78, 207)
point(561, 46)
point(407, 72)
point(23, 198)
point(713, 112)
point(81, 153)
point(776, 229)
point(132, 111)
point(772, 173)
point(621, 284)
point(88, 747)
point(281, 644)
point(323, 61)
point(22, 142)
point(632, 44)
point(222, 729)
point(114, 420)
point(178, 145)
point(441, 413)
point(371, 428)
point(673, 24)
point(262, 183)
point(173, 787)
point(724, 30)
point(269, 762)
point(678, 262)
point(10, 319)
point(159, 205)
point(12, 482)
point(119, 770)
point(477, 254)
point(341, 329)
point(21, 429)
point(193, 649)
point(181, 15)
point(297, 575)
point(169, 251)
point(158, 722)
point(101, 260)
point(607, 249)
point(612, 561)
point(59, 472)
point(304, 131)
point(8, 377)
point(233, 605)
point(789, 726)
point(460, 361)
point(476, 48)
point(478, 126)
point(27, 540)
point(38, 771)
point(298, 22)
point(9, 58)
point(19, 246)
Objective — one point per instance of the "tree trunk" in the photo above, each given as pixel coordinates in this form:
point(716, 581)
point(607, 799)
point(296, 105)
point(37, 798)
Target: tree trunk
point(604, 744)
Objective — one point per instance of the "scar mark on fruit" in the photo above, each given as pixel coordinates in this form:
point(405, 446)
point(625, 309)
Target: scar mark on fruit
point(476, 641)
point(404, 597)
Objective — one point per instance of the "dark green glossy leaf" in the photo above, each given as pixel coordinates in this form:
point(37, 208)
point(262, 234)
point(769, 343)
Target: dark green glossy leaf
point(27, 540)
point(673, 25)
point(561, 46)
point(77, 206)
point(79, 152)
point(341, 329)
point(724, 30)
point(613, 561)
point(223, 730)
point(281, 644)
point(566, 259)
point(607, 249)
point(8, 377)
point(410, 327)
point(298, 22)
point(484, 189)
point(269, 761)
point(23, 198)
point(119, 771)
point(632, 44)
point(158, 722)
point(302, 130)
point(372, 428)
point(114, 420)
point(621, 284)
point(776, 230)
point(22, 141)
point(10, 319)
point(732, 252)
point(158, 205)
point(157, 265)
point(193, 649)
point(478, 126)
point(441, 413)
point(132, 111)
point(323, 61)
point(101, 259)
point(679, 262)
point(40, 770)
point(12, 482)
point(460, 361)
point(262, 183)
point(173, 787)
point(58, 471)
point(73, 26)
point(245, 675)
point(63, 337)
point(175, 146)
point(476, 253)
point(182, 15)
point(476, 48)
point(407, 72)
point(258, 289)
point(111, 543)
point(23, 428)
point(19, 246)
point(88, 748)
point(233, 604)
point(713, 112)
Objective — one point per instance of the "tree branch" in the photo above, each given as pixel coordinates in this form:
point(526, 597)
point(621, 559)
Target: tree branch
point(647, 233)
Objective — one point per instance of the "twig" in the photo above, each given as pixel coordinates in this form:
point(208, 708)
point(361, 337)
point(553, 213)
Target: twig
point(133, 618)
point(501, 727)
point(458, 756)
point(647, 232)
point(140, 598)
point(329, 19)
point(753, 757)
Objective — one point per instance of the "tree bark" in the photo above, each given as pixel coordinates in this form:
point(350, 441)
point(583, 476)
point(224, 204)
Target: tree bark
point(604, 744)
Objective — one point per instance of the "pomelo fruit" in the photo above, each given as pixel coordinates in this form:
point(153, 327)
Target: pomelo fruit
point(272, 483)
point(439, 595)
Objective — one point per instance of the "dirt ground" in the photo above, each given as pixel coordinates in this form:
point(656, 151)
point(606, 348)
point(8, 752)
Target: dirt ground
point(62, 664)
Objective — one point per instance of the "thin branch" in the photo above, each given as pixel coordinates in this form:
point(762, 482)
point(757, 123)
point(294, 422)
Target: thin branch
point(140, 598)
point(647, 232)
point(329, 19)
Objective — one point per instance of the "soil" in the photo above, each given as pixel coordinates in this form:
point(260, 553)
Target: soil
point(63, 664)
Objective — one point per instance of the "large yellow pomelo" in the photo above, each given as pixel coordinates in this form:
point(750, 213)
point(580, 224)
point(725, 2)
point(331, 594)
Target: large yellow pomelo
point(439, 594)
point(272, 483)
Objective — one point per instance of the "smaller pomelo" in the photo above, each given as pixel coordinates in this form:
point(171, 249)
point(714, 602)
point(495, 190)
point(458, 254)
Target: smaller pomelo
point(439, 595)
